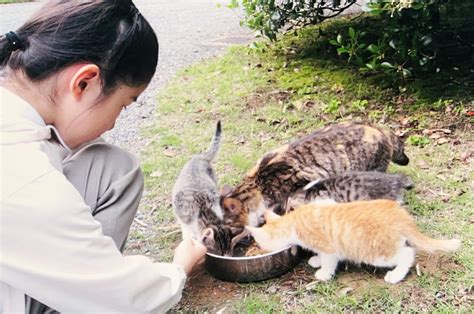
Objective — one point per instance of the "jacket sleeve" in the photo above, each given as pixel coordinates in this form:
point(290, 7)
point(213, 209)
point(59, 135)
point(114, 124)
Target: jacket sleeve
point(54, 250)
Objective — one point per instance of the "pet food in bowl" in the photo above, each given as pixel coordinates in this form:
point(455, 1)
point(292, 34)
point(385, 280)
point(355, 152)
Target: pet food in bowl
point(242, 268)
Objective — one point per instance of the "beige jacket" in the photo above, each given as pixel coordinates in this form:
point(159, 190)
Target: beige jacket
point(51, 247)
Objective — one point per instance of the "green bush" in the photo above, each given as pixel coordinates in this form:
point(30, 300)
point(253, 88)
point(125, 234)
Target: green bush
point(271, 16)
point(414, 36)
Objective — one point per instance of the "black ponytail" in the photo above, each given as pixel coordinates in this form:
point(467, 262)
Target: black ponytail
point(8, 43)
point(109, 33)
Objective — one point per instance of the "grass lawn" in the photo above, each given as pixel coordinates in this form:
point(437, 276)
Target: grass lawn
point(268, 94)
point(14, 1)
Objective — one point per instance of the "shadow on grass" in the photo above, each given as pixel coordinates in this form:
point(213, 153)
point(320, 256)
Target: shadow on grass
point(452, 78)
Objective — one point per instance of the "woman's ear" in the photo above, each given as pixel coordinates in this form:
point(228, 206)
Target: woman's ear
point(85, 77)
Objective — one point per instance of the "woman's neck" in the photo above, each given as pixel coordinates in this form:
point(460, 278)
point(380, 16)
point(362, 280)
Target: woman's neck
point(36, 94)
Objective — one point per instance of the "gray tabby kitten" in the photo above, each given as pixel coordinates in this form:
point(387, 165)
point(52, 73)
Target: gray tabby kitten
point(195, 200)
point(359, 186)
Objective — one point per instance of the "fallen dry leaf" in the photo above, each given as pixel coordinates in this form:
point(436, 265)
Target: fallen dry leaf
point(344, 291)
point(402, 133)
point(311, 285)
point(309, 103)
point(405, 121)
point(422, 164)
point(442, 141)
point(275, 121)
point(441, 177)
point(465, 156)
point(221, 311)
point(418, 270)
point(273, 289)
point(141, 223)
point(169, 153)
point(156, 174)
point(265, 136)
point(240, 141)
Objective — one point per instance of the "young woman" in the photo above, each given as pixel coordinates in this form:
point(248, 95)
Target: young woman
point(67, 197)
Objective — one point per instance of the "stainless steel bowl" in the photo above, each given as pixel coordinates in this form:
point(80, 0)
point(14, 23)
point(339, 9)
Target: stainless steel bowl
point(253, 268)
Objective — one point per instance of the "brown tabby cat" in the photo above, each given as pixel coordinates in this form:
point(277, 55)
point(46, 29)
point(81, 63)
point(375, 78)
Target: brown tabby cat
point(330, 151)
point(378, 232)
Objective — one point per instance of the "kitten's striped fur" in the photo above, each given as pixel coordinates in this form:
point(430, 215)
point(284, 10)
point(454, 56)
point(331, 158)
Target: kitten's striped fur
point(359, 186)
point(195, 202)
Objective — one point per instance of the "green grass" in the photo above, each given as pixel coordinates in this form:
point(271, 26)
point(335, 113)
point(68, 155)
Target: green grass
point(267, 95)
point(14, 1)
point(260, 303)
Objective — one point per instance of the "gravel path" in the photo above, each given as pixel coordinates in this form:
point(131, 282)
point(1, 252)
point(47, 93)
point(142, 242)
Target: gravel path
point(188, 31)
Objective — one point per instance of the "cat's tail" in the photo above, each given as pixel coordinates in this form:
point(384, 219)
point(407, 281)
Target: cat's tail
point(424, 243)
point(214, 147)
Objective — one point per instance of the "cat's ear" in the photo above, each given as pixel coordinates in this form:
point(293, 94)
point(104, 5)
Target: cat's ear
point(226, 190)
point(232, 205)
point(269, 215)
point(236, 230)
point(208, 237)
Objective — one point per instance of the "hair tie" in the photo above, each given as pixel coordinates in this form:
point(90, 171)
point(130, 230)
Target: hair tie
point(14, 41)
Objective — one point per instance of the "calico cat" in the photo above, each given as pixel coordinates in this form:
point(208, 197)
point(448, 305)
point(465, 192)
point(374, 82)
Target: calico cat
point(195, 200)
point(377, 232)
point(332, 150)
point(359, 186)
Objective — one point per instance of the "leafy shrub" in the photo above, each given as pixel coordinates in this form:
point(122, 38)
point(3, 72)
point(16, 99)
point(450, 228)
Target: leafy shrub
point(413, 37)
point(271, 16)
point(418, 140)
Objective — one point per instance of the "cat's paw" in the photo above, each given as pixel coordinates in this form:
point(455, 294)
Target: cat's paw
point(322, 275)
point(392, 277)
point(315, 261)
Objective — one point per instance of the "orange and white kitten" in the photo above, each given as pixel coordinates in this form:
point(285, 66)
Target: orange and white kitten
point(377, 232)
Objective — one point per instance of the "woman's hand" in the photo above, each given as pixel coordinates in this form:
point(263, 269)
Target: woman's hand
point(188, 253)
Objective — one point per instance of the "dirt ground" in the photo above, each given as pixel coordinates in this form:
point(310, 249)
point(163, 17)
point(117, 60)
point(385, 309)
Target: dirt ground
point(204, 292)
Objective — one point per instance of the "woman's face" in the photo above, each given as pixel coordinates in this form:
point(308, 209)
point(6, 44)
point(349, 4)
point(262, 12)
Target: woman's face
point(82, 126)
point(83, 113)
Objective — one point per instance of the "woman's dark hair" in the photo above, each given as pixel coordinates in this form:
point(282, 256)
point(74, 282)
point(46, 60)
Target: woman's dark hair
point(109, 33)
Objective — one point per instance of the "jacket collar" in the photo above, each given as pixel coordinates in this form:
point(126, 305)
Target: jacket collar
point(21, 123)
